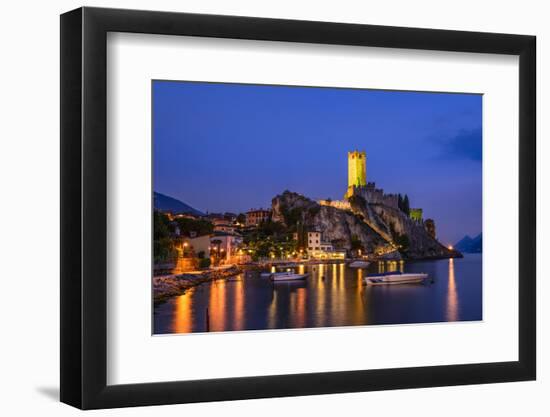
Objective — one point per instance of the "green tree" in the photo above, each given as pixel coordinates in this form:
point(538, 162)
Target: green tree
point(356, 243)
point(199, 226)
point(164, 247)
point(403, 242)
point(204, 263)
point(406, 205)
point(292, 216)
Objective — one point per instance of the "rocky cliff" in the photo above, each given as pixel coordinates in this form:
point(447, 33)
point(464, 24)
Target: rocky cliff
point(379, 228)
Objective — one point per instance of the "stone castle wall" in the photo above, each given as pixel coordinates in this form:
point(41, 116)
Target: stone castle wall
point(373, 195)
point(339, 204)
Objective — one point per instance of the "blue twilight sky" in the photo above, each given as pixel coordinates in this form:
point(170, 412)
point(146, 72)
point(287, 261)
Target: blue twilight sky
point(232, 147)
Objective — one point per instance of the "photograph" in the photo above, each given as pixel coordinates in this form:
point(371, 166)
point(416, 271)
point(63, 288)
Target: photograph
point(288, 207)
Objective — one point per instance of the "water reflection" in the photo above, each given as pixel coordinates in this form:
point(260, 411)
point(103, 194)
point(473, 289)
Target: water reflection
point(332, 295)
point(452, 296)
point(238, 295)
point(182, 317)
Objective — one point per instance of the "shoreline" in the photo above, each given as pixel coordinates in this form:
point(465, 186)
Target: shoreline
point(167, 286)
point(172, 285)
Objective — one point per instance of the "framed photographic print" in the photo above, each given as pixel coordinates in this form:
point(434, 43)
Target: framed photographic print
point(258, 207)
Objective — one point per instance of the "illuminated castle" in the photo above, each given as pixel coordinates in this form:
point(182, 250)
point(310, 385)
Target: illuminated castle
point(358, 185)
point(357, 171)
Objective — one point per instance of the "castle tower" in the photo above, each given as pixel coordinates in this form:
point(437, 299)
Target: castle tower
point(357, 171)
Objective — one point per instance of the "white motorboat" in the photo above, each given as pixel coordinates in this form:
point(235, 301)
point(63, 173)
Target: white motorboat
point(359, 264)
point(392, 278)
point(287, 276)
point(266, 274)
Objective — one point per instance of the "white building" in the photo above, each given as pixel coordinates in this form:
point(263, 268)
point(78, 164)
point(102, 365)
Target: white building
point(318, 248)
point(225, 245)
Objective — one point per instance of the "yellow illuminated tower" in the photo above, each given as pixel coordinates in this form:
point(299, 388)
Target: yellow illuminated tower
point(357, 171)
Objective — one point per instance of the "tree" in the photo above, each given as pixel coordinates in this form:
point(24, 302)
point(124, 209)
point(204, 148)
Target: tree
point(400, 201)
point(162, 227)
point(292, 216)
point(163, 245)
point(199, 226)
point(356, 243)
point(204, 263)
point(406, 206)
point(403, 242)
point(241, 218)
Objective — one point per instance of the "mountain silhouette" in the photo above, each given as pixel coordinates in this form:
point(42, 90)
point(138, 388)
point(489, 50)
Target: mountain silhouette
point(470, 245)
point(165, 203)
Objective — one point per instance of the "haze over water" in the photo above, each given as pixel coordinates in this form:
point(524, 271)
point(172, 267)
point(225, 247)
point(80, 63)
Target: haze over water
point(332, 295)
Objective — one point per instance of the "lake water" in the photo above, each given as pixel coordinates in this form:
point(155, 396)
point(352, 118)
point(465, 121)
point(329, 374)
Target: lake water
point(332, 295)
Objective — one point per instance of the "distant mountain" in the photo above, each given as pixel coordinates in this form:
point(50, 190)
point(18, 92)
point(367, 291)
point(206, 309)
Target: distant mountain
point(164, 203)
point(470, 245)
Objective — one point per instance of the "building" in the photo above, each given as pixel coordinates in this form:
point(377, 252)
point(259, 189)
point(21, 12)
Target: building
point(416, 214)
point(357, 169)
point(222, 224)
point(358, 185)
point(224, 227)
point(197, 245)
point(216, 221)
point(313, 241)
point(172, 216)
point(225, 246)
point(256, 216)
point(357, 172)
point(317, 248)
point(429, 225)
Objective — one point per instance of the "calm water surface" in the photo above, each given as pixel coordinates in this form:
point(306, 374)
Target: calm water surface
point(332, 295)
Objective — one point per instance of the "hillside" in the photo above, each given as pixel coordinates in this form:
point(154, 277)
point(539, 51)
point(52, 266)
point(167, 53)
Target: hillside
point(380, 229)
point(165, 203)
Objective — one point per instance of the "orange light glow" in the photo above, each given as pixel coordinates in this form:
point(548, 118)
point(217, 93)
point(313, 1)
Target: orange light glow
point(452, 296)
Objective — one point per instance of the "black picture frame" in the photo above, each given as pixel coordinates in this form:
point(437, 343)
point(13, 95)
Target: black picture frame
point(84, 207)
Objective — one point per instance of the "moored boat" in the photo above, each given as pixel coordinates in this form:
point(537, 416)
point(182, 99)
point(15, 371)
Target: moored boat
point(287, 276)
point(392, 278)
point(359, 264)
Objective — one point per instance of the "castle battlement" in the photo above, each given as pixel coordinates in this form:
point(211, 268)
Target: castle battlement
point(358, 185)
point(339, 204)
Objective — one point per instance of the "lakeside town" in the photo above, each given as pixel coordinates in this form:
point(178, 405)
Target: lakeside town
point(367, 225)
point(285, 207)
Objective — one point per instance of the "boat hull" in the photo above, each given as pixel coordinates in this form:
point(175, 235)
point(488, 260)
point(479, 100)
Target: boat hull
point(287, 277)
point(359, 264)
point(396, 279)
